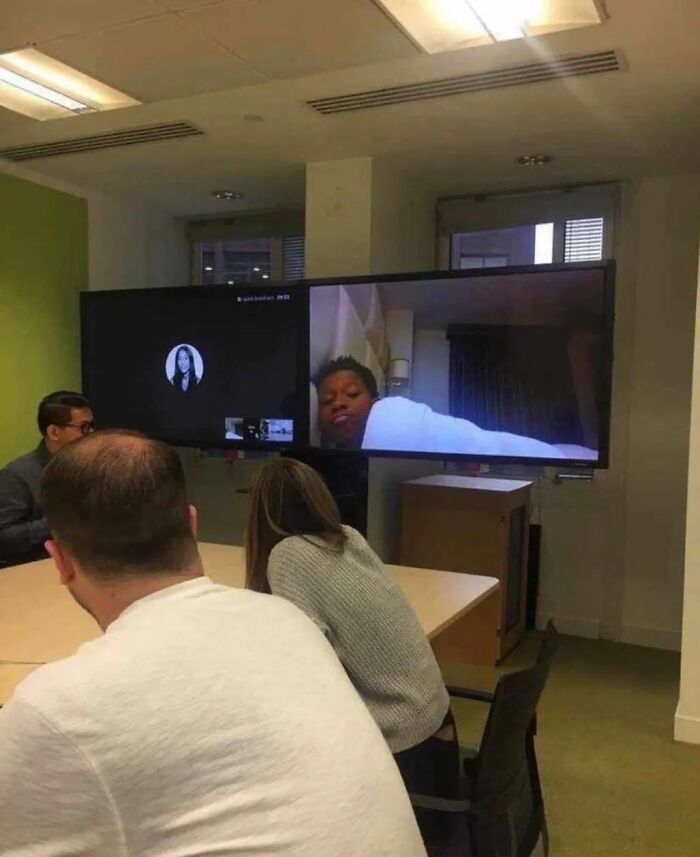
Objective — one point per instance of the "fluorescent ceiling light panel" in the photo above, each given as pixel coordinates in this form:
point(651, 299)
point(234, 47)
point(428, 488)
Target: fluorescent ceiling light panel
point(24, 84)
point(44, 88)
point(438, 25)
point(504, 19)
point(552, 16)
point(448, 25)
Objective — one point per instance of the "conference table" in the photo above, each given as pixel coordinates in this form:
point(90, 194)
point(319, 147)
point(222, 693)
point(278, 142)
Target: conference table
point(40, 622)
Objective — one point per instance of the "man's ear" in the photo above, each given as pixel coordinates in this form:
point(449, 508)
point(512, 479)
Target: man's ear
point(63, 563)
point(193, 521)
point(52, 432)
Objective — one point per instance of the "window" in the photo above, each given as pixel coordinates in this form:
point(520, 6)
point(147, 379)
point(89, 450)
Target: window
point(245, 261)
point(235, 262)
point(294, 257)
point(494, 248)
point(466, 262)
point(570, 224)
point(583, 240)
point(580, 240)
point(544, 244)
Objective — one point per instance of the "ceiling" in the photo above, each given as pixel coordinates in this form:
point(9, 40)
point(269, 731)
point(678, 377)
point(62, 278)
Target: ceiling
point(567, 298)
point(214, 62)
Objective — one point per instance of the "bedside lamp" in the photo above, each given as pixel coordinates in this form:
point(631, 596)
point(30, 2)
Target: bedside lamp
point(399, 374)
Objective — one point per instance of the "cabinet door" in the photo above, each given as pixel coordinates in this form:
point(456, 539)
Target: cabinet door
point(442, 534)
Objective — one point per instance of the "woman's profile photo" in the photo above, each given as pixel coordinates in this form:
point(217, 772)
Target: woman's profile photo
point(184, 368)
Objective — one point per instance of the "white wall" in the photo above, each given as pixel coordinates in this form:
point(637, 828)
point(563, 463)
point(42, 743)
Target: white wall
point(403, 223)
point(657, 457)
point(612, 553)
point(131, 245)
point(338, 217)
point(687, 726)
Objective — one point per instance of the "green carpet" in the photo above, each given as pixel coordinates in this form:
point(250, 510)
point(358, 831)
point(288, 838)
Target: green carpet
point(615, 783)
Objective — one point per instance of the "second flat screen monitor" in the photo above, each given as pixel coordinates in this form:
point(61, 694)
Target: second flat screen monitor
point(512, 365)
point(208, 367)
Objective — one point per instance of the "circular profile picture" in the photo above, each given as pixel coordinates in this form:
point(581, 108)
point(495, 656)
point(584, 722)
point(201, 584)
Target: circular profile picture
point(184, 368)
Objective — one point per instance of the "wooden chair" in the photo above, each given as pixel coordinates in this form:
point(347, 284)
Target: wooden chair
point(498, 809)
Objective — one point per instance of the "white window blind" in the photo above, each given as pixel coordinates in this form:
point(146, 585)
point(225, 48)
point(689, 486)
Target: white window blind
point(293, 257)
point(583, 240)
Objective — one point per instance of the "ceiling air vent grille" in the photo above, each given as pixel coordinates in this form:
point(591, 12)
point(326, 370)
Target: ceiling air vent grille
point(128, 137)
point(556, 68)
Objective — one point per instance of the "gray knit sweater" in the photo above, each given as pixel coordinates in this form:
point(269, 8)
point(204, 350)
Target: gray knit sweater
point(370, 624)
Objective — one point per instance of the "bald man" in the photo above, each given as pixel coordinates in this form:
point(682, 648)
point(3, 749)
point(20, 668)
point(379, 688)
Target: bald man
point(206, 720)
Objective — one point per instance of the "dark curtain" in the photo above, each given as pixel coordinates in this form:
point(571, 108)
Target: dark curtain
point(515, 379)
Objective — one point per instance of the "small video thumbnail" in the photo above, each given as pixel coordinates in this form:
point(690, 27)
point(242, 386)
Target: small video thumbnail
point(259, 429)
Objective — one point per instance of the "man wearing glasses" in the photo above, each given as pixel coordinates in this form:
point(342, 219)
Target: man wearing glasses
point(63, 416)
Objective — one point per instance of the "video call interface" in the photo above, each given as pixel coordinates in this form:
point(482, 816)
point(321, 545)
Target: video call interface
point(514, 365)
point(205, 366)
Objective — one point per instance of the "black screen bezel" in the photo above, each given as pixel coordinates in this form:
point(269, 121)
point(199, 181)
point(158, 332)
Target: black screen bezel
point(605, 393)
point(302, 319)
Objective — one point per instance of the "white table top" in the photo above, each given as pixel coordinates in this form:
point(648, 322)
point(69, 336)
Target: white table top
point(40, 622)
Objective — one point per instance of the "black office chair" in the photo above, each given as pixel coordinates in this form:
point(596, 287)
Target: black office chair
point(497, 810)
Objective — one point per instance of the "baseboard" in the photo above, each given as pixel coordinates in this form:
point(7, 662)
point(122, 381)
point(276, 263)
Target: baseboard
point(572, 627)
point(651, 638)
point(686, 729)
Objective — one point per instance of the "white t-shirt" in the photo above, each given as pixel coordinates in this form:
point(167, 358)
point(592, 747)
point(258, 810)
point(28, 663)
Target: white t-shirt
point(396, 423)
point(206, 721)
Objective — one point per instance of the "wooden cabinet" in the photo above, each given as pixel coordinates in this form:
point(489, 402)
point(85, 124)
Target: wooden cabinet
point(475, 526)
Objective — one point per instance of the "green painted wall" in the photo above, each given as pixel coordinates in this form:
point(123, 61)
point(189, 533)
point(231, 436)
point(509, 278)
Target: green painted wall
point(43, 268)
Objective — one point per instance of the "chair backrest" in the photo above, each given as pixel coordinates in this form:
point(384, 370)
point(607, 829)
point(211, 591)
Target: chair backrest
point(501, 767)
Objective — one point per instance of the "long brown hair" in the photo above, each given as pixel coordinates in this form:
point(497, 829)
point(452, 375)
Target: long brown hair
point(287, 498)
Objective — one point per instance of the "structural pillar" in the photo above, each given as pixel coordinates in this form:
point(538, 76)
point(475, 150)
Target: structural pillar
point(363, 217)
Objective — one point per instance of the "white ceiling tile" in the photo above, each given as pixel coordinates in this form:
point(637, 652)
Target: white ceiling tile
point(182, 5)
point(641, 122)
point(14, 123)
point(292, 38)
point(25, 21)
point(154, 59)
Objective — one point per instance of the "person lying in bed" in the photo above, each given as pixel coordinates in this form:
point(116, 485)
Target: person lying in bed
point(351, 415)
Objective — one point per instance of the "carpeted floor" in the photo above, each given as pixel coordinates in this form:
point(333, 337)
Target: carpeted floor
point(615, 783)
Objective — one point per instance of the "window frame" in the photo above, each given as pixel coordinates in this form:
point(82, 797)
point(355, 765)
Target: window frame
point(481, 213)
point(274, 226)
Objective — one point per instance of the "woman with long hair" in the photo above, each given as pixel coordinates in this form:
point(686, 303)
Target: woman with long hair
point(297, 548)
point(185, 378)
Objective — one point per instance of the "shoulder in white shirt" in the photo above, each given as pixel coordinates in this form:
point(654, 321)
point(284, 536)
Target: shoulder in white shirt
point(205, 721)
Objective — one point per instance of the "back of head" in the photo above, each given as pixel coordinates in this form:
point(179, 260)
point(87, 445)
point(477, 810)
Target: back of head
point(55, 409)
point(287, 498)
point(116, 502)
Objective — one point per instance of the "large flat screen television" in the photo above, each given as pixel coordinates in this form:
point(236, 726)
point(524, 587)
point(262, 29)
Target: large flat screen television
point(208, 367)
point(506, 364)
